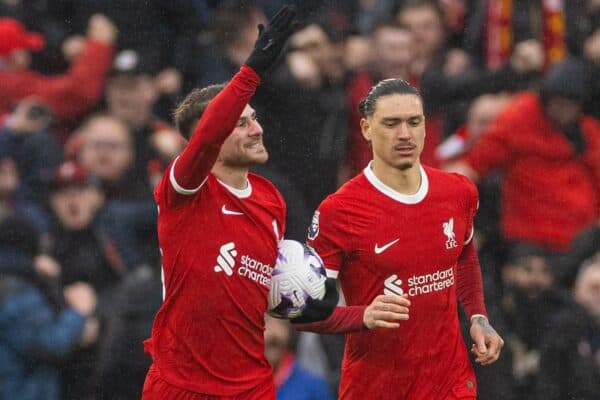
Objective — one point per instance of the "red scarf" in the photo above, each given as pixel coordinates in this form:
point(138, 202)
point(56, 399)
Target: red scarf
point(499, 36)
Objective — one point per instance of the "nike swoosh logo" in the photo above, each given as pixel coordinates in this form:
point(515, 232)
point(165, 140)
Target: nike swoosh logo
point(379, 250)
point(225, 211)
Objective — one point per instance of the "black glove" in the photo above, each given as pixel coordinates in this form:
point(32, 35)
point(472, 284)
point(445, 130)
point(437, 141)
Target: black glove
point(271, 39)
point(319, 310)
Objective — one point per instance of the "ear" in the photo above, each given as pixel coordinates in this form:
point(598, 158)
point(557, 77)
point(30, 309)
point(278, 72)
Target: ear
point(366, 129)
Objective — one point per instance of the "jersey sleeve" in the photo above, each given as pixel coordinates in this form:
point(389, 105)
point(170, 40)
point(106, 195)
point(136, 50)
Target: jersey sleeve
point(344, 319)
point(189, 171)
point(328, 235)
point(469, 285)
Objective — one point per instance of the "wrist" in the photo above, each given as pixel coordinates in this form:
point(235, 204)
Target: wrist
point(478, 317)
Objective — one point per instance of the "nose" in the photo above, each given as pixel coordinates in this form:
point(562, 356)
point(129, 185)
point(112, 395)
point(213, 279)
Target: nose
point(255, 129)
point(403, 131)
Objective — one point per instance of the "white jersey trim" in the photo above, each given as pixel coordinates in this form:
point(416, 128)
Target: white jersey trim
point(332, 273)
point(388, 191)
point(470, 236)
point(239, 193)
point(177, 187)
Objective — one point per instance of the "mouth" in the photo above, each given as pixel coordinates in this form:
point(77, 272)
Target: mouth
point(255, 146)
point(404, 149)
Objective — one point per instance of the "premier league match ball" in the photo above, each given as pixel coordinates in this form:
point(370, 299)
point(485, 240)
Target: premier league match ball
point(299, 273)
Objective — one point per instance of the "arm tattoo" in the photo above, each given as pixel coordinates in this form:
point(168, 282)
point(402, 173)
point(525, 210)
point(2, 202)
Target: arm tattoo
point(485, 324)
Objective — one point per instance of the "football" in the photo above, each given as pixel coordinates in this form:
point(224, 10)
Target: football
point(298, 274)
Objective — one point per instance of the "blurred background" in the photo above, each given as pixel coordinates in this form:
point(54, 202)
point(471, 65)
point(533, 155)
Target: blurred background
point(512, 95)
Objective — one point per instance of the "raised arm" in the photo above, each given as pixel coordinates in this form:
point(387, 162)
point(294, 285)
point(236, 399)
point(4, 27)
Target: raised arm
point(192, 167)
point(218, 120)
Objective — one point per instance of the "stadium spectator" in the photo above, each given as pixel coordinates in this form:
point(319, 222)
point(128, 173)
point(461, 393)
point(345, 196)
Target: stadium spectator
point(38, 332)
point(426, 21)
point(132, 91)
point(69, 95)
point(127, 320)
point(321, 355)
point(234, 33)
point(291, 380)
point(565, 266)
point(26, 136)
point(164, 32)
point(570, 352)
point(308, 83)
point(105, 149)
point(495, 28)
point(482, 112)
point(10, 205)
point(549, 153)
point(529, 305)
point(591, 53)
point(106, 152)
point(85, 253)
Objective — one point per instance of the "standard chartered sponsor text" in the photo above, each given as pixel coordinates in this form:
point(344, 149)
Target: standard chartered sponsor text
point(428, 283)
point(255, 270)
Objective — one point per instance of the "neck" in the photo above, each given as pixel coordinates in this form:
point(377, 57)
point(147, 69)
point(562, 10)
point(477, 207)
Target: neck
point(404, 181)
point(234, 177)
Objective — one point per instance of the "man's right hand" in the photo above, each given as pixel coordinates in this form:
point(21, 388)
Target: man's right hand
point(386, 310)
point(271, 39)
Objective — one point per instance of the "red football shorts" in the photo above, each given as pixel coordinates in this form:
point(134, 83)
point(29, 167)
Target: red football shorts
point(155, 388)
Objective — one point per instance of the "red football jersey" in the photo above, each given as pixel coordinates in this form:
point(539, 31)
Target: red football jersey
point(382, 242)
point(218, 252)
point(218, 245)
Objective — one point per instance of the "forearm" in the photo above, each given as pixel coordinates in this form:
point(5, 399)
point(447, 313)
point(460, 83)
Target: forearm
point(72, 94)
point(469, 286)
point(217, 122)
point(343, 320)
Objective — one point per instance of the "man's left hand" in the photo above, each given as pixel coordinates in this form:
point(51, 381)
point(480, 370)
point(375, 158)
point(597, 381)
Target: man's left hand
point(319, 310)
point(487, 344)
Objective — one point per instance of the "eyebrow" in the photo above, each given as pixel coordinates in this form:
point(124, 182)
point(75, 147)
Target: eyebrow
point(394, 119)
point(253, 115)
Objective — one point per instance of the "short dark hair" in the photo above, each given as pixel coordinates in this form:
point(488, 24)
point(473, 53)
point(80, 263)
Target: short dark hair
point(383, 88)
point(434, 5)
point(190, 110)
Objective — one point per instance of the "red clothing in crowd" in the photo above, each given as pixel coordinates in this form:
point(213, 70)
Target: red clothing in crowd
point(358, 151)
point(549, 192)
point(70, 95)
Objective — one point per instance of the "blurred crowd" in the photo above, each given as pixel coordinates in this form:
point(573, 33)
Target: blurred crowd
point(512, 95)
